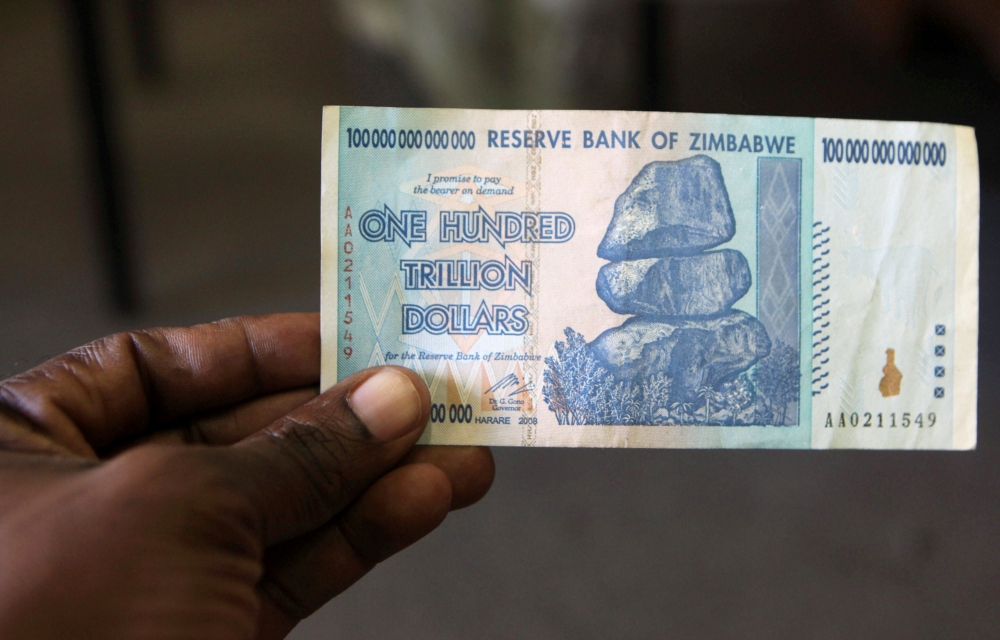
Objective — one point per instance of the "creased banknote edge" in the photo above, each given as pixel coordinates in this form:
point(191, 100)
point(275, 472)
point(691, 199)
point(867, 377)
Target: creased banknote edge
point(329, 249)
point(966, 290)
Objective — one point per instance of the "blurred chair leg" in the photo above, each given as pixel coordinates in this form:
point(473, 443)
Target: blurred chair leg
point(103, 150)
point(144, 16)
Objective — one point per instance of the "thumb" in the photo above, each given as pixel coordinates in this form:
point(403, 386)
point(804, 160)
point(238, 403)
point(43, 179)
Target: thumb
point(308, 466)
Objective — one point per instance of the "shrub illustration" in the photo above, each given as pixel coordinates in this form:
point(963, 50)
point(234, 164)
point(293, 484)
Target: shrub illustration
point(579, 390)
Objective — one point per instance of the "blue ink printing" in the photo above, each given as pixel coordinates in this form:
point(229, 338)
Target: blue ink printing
point(506, 226)
point(685, 357)
point(466, 275)
point(386, 226)
point(460, 319)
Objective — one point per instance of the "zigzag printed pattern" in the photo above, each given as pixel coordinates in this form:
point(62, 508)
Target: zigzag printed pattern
point(821, 311)
point(377, 322)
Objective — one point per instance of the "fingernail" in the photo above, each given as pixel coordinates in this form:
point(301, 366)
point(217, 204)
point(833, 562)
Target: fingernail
point(387, 403)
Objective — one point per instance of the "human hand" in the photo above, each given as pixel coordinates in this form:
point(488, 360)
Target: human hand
point(189, 483)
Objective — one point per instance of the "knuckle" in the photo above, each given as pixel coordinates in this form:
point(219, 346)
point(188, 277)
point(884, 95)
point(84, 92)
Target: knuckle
point(326, 447)
point(330, 433)
point(325, 462)
point(288, 600)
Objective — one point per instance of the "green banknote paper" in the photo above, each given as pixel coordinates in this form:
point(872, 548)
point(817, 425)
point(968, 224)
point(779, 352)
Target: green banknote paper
point(630, 279)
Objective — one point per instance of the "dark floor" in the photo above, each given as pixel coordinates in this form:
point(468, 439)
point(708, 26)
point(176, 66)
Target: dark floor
point(223, 161)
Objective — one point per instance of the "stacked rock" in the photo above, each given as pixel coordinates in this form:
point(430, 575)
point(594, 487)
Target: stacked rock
point(680, 294)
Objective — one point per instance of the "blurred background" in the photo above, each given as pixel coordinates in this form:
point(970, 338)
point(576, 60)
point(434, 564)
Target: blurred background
point(159, 164)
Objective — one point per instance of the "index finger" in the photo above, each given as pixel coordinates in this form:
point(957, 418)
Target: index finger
point(123, 385)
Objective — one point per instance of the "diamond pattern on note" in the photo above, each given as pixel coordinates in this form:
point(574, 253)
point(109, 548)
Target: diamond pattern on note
point(778, 270)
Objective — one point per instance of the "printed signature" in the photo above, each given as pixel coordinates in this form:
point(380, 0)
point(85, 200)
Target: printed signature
point(508, 381)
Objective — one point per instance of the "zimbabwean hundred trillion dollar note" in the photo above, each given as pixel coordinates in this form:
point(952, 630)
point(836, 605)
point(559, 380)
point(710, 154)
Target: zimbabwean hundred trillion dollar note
point(628, 279)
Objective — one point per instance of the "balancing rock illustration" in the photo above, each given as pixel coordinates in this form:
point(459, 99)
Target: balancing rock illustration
point(671, 208)
point(680, 294)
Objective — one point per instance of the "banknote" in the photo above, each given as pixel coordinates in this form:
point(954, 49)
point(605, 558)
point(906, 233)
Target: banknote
point(674, 280)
